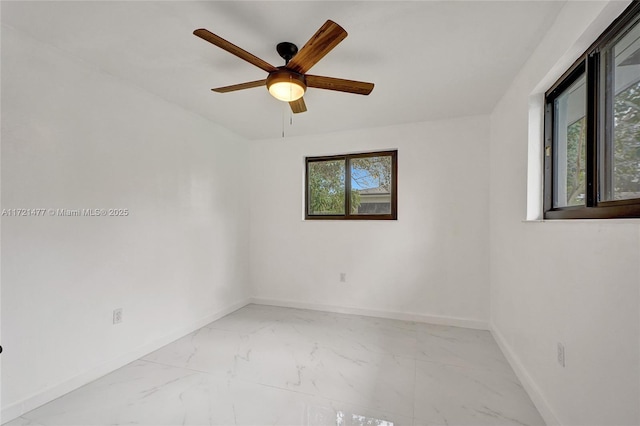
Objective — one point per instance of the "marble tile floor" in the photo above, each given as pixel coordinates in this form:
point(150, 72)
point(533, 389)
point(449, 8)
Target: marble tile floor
point(264, 365)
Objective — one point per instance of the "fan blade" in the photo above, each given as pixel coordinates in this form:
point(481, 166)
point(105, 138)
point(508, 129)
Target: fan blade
point(241, 86)
point(339, 84)
point(233, 49)
point(298, 106)
point(325, 39)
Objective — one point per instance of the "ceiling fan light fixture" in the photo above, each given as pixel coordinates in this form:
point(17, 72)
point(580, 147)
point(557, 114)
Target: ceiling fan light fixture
point(286, 85)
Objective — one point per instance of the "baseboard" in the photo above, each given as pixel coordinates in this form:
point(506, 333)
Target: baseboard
point(431, 319)
point(535, 393)
point(15, 410)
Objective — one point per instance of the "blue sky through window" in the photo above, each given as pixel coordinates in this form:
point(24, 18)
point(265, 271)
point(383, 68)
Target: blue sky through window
point(362, 179)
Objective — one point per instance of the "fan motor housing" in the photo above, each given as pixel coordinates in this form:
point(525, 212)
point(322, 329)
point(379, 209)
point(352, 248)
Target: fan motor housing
point(287, 50)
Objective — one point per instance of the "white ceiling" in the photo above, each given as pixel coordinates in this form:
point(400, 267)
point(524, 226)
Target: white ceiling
point(428, 59)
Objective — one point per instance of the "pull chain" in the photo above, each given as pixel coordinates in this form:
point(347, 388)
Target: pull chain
point(285, 108)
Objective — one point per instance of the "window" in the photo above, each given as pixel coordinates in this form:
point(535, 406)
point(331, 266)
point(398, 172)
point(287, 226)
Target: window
point(352, 186)
point(592, 129)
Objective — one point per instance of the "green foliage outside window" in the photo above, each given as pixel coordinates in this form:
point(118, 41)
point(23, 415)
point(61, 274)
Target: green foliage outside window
point(626, 147)
point(326, 186)
point(576, 153)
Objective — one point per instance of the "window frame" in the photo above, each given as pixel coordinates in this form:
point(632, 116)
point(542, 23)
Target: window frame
point(347, 190)
point(597, 142)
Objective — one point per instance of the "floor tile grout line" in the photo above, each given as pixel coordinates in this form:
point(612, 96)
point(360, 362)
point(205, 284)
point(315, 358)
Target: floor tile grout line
point(180, 367)
point(491, 370)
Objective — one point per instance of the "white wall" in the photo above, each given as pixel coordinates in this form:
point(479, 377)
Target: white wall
point(432, 263)
point(574, 282)
point(74, 137)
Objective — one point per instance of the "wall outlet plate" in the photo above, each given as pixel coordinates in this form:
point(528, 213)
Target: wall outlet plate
point(561, 354)
point(117, 316)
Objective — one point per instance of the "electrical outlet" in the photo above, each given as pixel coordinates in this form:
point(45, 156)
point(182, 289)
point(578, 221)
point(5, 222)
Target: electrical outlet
point(343, 277)
point(117, 316)
point(561, 354)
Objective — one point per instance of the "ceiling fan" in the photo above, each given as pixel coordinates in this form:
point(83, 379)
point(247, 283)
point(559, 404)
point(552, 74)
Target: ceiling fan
point(288, 83)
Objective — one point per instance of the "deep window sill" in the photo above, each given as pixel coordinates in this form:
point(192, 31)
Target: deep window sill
point(633, 221)
point(619, 210)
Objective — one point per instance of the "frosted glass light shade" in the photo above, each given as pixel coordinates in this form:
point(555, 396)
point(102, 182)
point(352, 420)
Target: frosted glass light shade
point(286, 85)
point(286, 91)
